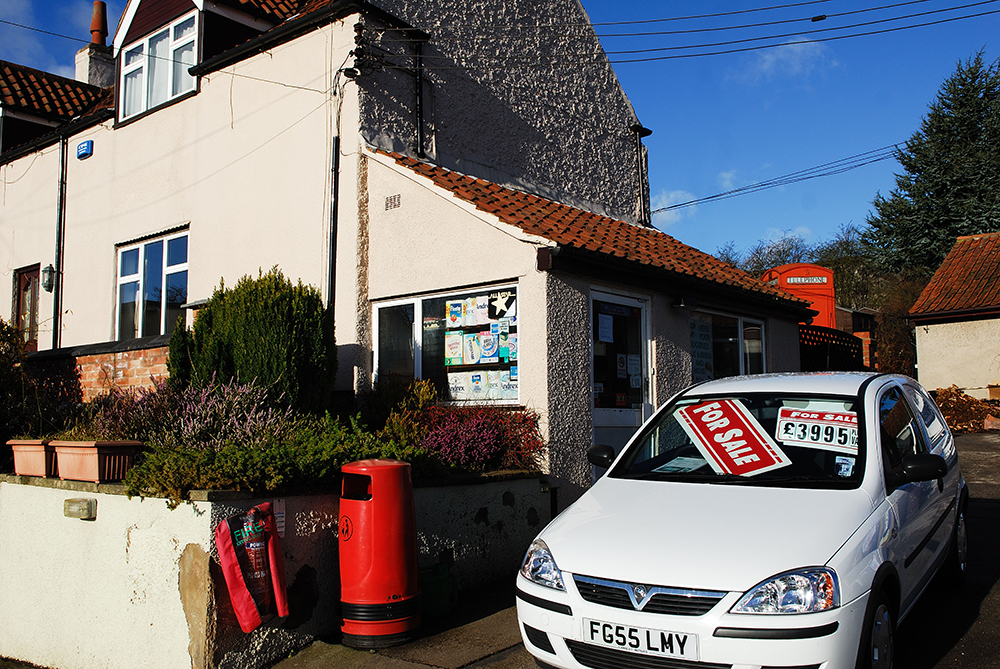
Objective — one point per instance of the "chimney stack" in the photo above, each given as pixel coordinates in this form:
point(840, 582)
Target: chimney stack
point(94, 64)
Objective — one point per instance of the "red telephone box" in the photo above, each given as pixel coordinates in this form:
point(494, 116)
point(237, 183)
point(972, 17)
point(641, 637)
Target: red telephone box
point(379, 577)
point(810, 282)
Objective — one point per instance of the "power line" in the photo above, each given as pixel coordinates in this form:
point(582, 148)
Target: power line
point(502, 62)
point(824, 170)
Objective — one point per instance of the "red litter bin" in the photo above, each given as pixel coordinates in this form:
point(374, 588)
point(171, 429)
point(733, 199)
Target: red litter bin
point(379, 578)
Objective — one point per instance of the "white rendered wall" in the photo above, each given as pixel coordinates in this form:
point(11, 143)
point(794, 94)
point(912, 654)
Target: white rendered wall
point(78, 594)
point(963, 354)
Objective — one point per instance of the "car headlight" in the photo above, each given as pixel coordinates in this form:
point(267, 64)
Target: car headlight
point(800, 591)
point(540, 567)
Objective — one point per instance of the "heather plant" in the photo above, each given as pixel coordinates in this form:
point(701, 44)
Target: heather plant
point(130, 414)
point(483, 437)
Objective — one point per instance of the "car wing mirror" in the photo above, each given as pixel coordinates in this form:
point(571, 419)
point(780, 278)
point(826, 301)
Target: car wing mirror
point(918, 467)
point(600, 455)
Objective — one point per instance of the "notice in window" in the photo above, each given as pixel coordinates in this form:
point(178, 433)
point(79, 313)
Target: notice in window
point(702, 368)
point(606, 328)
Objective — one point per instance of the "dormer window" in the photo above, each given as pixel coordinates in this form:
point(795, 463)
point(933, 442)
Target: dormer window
point(155, 69)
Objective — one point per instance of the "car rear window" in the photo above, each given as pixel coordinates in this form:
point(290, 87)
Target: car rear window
point(758, 439)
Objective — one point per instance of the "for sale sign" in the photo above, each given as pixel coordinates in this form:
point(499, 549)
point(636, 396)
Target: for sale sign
point(731, 439)
point(827, 430)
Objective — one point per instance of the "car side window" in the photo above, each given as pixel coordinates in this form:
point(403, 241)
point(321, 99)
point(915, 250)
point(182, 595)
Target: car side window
point(898, 431)
point(929, 413)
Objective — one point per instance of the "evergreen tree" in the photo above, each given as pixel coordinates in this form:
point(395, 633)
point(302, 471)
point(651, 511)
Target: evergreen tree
point(951, 181)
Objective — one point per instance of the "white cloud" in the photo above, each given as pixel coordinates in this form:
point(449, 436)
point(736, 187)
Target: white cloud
point(665, 219)
point(727, 180)
point(794, 59)
point(774, 234)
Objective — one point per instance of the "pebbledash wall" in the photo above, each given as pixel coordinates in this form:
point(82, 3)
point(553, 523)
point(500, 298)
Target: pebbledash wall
point(79, 594)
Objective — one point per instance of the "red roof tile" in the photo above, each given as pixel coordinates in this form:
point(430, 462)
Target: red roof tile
point(576, 228)
point(46, 95)
point(969, 278)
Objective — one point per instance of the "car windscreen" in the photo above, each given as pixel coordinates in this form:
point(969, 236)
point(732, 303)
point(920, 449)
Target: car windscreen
point(756, 439)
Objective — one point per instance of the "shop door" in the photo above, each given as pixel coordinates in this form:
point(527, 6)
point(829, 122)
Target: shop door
point(620, 369)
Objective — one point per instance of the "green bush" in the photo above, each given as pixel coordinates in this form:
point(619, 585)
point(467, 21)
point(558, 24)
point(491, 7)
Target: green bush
point(265, 331)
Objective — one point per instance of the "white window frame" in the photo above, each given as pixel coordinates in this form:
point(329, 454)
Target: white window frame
point(418, 328)
point(139, 278)
point(740, 325)
point(142, 65)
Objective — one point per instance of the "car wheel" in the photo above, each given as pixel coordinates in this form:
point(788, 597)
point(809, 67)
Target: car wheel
point(958, 555)
point(877, 636)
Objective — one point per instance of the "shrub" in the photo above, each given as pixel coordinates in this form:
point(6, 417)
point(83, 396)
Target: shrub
point(481, 438)
point(265, 330)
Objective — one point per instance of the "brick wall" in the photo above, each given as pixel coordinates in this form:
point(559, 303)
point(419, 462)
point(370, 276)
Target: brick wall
point(125, 369)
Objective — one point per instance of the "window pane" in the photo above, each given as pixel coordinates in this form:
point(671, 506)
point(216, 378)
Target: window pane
point(753, 348)
point(130, 262)
point(432, 353)
point(177, 251)
point(159, 70)
point(128, 316)
point(133, 56)
point(184, 29)
point(152, 288)
point(183, 59)
point(132, 97)
point(395, 340)
point(177, 287)
point(725, 346)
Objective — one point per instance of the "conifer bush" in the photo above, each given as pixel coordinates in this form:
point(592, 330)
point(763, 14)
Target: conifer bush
point(266, 331)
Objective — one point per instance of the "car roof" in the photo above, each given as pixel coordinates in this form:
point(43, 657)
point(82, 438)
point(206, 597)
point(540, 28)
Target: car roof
point(819, 383)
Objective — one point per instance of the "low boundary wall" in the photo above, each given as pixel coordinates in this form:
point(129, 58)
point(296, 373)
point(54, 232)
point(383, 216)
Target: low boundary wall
point(142, 579)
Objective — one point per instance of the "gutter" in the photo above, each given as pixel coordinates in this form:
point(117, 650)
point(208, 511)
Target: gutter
point(71, 128)
point(660, 279)
point(974, 314)
point(293, 28)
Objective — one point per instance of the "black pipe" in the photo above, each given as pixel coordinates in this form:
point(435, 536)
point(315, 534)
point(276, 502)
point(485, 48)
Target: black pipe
point(419, 107)
point(331, 284)
point(60, 233)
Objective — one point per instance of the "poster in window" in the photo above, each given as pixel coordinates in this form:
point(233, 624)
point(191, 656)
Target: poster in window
point(606, 330)
point(488, 348)
point(472, 350)
point(482, 310)
point(512, 346)
point(458, 386)
point(503, 346)
point(503, 305)
point(702, 368)
point(478, 385)
point(453, 342)
point(455, 313)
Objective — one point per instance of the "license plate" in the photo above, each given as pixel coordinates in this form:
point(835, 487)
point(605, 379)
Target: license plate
point(641, 639)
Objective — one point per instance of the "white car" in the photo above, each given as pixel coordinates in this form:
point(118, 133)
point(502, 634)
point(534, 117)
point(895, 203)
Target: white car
point(785, 520)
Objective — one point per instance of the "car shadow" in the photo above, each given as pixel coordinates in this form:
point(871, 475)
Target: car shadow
point(946, 614)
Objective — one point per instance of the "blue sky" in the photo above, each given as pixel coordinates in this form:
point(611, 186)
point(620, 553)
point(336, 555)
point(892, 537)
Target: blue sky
point(725, 121)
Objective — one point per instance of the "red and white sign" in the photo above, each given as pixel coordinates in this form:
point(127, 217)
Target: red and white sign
point(731, 439)
point(825, 430)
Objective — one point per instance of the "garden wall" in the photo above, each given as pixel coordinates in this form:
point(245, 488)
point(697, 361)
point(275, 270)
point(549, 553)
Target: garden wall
point(140, 578)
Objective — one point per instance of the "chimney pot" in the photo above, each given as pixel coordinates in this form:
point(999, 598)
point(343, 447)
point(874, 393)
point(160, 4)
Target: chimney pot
point(99, 23)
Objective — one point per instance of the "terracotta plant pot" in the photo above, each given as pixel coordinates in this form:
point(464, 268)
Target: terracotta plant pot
point(96, 461)
point(33, 457)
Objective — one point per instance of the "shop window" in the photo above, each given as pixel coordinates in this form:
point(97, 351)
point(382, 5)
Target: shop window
point(26, 305)
point(155, 69)
point(465, 343)
point(724, 346)
point(618, 344)
point(152, 286)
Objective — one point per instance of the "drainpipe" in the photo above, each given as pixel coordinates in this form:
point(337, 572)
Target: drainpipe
point(60, 241)
point(331, 283)
point(419, 106)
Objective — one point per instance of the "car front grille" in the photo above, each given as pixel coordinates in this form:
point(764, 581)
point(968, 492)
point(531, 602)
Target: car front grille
point(673, 601)
point(599, 657)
